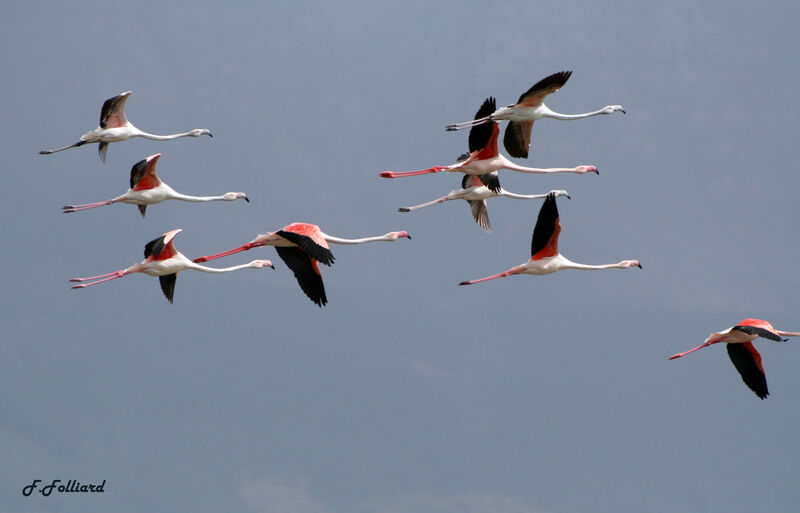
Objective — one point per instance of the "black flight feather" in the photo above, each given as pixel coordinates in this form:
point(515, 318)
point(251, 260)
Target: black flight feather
point(752, 376)
point(308, 279)
point(309, 247)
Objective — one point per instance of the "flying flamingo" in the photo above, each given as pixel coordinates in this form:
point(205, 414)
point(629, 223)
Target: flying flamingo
point(545, 258)
point(743, 354)
point(115, 127)
point(302, 246)
point(528, 109)
point(476, 190)
point(484, 157)
point(163, 260)
point(148, 189)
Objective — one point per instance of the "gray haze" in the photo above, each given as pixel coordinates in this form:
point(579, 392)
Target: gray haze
point(406, 393)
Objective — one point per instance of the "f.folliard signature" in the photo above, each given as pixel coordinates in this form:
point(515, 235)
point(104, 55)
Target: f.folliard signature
point(71, 486)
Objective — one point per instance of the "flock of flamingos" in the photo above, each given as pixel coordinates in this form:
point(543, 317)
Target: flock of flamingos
point(303, 246)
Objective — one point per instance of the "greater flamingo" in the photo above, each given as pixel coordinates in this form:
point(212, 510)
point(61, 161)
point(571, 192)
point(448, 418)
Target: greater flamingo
point(528, 109)
point(545, 258)
point(484, 157)
point(115, 127)
point(302, 246)
point(163, 260)
point(148, 189)
point(476, 190)
point(743, 354)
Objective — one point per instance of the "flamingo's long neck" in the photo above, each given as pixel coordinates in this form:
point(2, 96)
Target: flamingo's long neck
point(507, 164)
point(568, 264)
point(507, 194)
point(156, 137)
point(547, 113)
point(196, 199)
point(214, 270)
point(336, 240)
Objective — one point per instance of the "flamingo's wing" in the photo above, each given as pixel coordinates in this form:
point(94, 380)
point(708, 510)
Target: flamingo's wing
point(548, 85)
point(480, 214)
point(309, 246)
point(760, 328)
point(491, 181)
point(161, 248)
point(112, 115)
point(306, 271)
point(545, 233)
point(168, 285)
point(518, 138)
point(102, 149)
point(479, 135)
point(143, 175)
point(748, 362)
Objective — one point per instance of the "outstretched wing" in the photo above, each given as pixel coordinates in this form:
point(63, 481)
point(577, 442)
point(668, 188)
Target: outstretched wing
point(517, 139)
point(143, 175)
point(480, 214)
point(308, 246)
point(162, 247)
point(545, 233)
point(306, 271)
point(112, 115)
point(759, 328)
point(748, 362)
point(168, 285)
point(548, 85)
point(479, 135)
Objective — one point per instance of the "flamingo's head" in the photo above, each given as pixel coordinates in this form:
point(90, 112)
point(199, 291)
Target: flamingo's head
point(610, 109)
point(625, 264)
point(560, 192)
point(233, 196)
point(392, 236)
point(258, 264)
point(587, 169)
point(197, 132)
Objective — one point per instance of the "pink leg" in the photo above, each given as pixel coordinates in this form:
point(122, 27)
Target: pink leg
point(106, 277)
point(689, 351)
point(247, 246)
point(75, 208)
point(393, 174)
point(501, 275)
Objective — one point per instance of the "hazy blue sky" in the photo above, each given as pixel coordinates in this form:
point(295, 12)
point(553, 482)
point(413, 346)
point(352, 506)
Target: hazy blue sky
point(407, 393)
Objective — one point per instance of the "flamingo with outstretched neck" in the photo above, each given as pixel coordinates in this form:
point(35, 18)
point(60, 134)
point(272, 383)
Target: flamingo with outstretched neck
point(528, 109)
point(115, 127)
point(742, 352)
point(545, 257)
point(302, 246)
point(147, 189)
point(163, 260)
point(475, 190)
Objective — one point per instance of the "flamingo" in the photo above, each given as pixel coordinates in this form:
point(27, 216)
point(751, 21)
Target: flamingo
point(163, 260)
point(545, 258)
point(476, 190)
point(302, 246)
point(743, 354)
point(484, 157)
point(115, 127)
point(148, 189)
point(528, 109)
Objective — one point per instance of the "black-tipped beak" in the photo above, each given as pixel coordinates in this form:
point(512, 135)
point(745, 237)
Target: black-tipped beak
point(640, 266)
point(272, 266)
point(568, 197)
point(623, 111)
point(210, 134)
point(247, 199)
point(409, 236)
